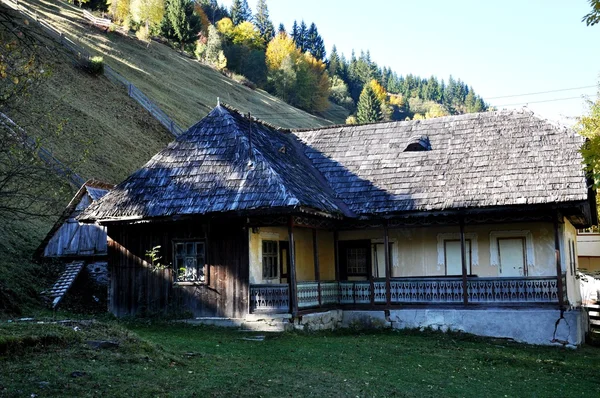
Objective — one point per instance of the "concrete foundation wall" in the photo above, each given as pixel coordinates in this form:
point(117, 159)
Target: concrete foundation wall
point(532, 325)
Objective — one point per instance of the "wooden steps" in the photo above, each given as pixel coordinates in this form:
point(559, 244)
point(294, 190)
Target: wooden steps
point(64, 283)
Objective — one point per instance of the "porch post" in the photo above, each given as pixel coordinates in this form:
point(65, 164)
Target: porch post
point(388, 268)
point(559, 284)
point(336, 264)
point(292, 270)
point(463, 259)
point(316, 263)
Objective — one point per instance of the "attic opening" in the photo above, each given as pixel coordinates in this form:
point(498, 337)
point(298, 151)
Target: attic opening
point(418, 144)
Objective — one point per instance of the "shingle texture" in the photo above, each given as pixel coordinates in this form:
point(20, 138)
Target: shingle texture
point(476, 160)
point(223, 163)
point(227, 163)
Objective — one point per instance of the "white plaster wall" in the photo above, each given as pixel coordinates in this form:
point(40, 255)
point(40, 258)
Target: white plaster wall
point(528, 325)
point(588, 245)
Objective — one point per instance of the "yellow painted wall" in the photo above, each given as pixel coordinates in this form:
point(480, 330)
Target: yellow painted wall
point(415, 250)
point(305, 270)
point(573, 287)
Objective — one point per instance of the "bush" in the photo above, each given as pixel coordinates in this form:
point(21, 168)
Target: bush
point(95, 66)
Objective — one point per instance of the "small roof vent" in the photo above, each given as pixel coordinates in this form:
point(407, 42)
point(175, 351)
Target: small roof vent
point(418, 143)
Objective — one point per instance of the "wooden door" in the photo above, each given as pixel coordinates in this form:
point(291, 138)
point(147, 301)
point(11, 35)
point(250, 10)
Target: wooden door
point(284, 261)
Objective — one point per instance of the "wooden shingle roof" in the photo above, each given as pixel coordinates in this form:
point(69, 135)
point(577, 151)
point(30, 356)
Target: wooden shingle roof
point(475, 160)
point(226, 162)
point(230, 163)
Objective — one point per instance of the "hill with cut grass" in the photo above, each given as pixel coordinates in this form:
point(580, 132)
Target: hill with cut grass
point(92, 124)
point(184, 88)
point(86, 123)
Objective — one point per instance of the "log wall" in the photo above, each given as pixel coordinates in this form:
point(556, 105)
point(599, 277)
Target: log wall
point(136, 289)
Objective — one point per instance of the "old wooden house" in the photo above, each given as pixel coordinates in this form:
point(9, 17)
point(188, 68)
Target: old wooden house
point(81, 246)
point(464, 222)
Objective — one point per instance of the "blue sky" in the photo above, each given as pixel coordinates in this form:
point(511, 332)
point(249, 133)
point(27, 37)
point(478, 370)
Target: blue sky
point(501, 48)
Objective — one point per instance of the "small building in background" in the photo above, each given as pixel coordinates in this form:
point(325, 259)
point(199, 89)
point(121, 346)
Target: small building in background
point(588, 252)
point(80, 246)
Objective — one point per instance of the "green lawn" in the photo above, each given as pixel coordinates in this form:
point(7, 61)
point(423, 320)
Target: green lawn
point(181, 360)
point(185, 89)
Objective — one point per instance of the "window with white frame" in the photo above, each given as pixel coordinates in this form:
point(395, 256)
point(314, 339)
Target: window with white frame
point(189, 261)
point(453, 257)
point(270, 259)
point(449, 257)
point(512, 252)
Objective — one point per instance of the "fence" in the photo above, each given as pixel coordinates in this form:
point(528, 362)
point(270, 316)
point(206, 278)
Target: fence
point(79, 53)
point(45, 155)
point(102, 22)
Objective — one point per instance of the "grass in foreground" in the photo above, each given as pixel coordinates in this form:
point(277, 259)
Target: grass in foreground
point(181, 360)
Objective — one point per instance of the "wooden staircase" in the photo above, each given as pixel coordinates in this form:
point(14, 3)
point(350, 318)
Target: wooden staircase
point(593, 311)
point(64, 283)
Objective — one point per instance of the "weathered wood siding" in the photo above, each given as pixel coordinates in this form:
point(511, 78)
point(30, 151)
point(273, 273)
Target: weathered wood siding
point(135, 289)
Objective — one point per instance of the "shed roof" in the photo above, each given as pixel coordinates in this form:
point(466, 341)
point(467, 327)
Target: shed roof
point(228, 162)
point(68, 237)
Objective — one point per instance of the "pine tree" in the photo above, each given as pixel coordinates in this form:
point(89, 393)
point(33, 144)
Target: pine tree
point(281, 29)
point(240, 12)
point(302, 37)
point(262, 21)
point(314, 42)
point(369, 106)
point(180, 23)
point(334, 62)
point(294, 32)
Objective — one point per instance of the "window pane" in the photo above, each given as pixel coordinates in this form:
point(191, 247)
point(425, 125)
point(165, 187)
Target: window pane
point(190, 249)
point(270, 259)
point(357, 260)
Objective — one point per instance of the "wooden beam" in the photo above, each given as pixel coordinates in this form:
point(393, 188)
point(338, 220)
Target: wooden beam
point(463, 259)
point(336, 261)
point(388, 266)
point(559, 281)
point(316, 263)
point(336, 254)
point(292, 270)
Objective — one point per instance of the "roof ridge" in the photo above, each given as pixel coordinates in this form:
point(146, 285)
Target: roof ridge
point(419, 121)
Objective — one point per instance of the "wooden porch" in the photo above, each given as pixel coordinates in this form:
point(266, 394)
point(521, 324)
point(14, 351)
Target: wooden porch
point(313, 295)
point(392, 292)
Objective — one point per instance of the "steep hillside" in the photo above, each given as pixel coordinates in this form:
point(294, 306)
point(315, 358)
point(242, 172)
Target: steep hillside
point(185, 89)
point(88, 123)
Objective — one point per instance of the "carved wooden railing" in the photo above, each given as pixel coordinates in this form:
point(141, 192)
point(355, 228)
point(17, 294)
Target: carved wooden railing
point(272, 298)
point(528, 289)
point(408, 290)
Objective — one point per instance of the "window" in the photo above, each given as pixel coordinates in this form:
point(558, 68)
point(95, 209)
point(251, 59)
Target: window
point(189, 261)
point(453, 258)
point(270, 259)
point(356, 261)
point(448, 250)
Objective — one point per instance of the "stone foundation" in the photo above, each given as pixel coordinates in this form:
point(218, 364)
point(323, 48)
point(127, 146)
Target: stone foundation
point(328, 320)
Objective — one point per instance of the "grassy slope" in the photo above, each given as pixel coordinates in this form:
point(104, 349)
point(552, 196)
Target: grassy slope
point(117, 134)
point(181, 360)
point(185, 89)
